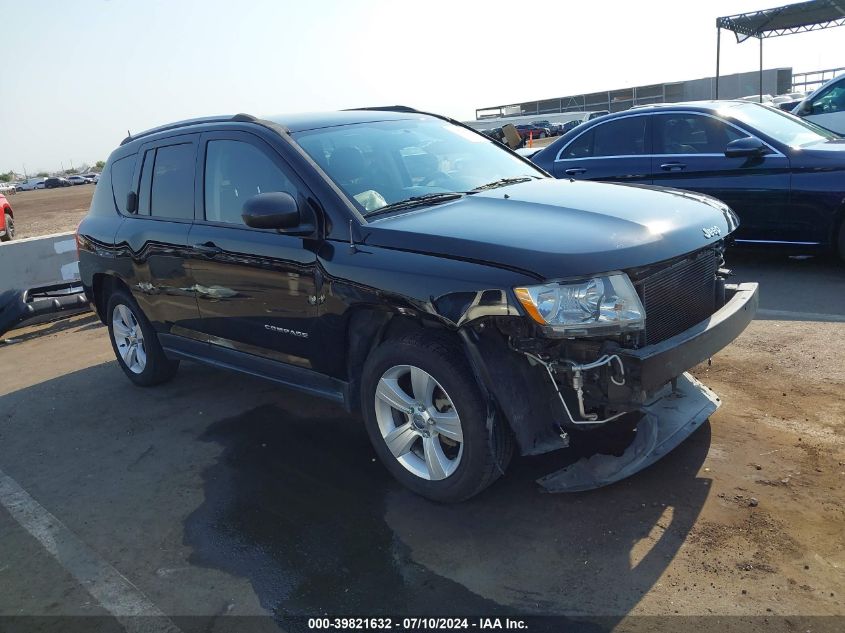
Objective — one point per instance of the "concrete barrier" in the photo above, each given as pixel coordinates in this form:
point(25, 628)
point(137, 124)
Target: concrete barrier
point(38, 261)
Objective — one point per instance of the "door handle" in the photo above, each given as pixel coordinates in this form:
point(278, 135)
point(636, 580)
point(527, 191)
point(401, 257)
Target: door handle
point(209, 249)
point(575, 171)
point(673, 166)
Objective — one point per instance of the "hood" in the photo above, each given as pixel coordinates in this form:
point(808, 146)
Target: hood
point(825, 155)
point(560, 228)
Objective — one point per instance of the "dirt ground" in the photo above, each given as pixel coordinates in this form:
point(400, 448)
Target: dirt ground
point(46, 211)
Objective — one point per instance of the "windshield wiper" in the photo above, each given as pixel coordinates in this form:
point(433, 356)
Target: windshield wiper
point(416, 201)
point(502, 182)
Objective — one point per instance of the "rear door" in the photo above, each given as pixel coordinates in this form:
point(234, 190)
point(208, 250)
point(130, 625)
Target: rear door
point(156, 234)
point(689, 153)
point(614, 151)
point(256, 288)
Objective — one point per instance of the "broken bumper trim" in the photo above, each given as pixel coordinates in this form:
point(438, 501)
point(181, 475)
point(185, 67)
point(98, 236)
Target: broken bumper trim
point(667, 422)
point(655, 365)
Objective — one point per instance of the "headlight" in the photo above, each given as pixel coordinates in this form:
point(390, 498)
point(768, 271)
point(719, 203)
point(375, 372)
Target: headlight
point(595, 306)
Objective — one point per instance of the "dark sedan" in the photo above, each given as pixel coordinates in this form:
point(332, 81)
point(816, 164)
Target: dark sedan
point(783, 176)
point(53, 183)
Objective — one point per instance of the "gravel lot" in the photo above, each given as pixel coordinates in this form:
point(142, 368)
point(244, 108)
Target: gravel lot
point(46, 211)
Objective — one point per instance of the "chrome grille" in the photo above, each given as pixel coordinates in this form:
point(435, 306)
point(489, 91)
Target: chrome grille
point(678, 296)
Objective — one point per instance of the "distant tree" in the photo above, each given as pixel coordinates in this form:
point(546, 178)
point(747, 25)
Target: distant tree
point(98, 166)
point(7, 177)
point(41, 174)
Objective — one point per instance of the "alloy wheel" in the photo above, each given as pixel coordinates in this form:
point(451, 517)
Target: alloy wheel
point(418, 422)
point(129, 338)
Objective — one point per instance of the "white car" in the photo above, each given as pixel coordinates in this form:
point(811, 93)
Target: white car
point(32, 183)
point(92, 177)
point(826, 106)
point(78, 180)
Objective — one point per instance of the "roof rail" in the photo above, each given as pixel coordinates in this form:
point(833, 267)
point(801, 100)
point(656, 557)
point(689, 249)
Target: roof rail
point(237, 118)
point(393, 108)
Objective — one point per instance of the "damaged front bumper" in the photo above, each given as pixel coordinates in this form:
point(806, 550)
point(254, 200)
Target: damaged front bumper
point(678, 403)
point(551, 395)
point(667, 422)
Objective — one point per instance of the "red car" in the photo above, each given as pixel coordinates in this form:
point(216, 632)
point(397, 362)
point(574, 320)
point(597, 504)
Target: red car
point(7, 220)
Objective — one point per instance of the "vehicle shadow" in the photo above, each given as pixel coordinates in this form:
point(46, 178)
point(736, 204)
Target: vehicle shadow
point(299, 505)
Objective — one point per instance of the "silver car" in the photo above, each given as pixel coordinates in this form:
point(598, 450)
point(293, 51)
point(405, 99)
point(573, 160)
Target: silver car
point(826, 106)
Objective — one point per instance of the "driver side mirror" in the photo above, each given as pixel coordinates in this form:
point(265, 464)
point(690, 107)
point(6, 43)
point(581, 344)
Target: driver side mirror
point(747, 147)
point(276, 210)
point(804, 108)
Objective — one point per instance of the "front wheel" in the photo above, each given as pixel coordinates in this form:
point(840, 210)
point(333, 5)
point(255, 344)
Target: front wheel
point(427, 418)
point(135, 343)
point(10, 229)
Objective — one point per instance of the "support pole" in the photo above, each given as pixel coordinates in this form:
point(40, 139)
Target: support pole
point(761, 70)
point(718, 53)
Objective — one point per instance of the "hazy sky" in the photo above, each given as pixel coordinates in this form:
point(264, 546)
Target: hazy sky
point(78, 75)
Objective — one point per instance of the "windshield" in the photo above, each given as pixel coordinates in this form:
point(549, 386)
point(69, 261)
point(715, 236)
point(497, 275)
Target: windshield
point(783, 127)
point(385, 163)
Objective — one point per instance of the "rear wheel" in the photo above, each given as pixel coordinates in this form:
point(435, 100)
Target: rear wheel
point(427, 418)
point(135, 343)
point(10, 229)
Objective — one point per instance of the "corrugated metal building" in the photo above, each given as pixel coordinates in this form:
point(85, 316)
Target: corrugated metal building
point(775, 81)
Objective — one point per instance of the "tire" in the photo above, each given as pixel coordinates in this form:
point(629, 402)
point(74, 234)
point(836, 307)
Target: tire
point(10, 229)
point(127, 325)
point(452, 428)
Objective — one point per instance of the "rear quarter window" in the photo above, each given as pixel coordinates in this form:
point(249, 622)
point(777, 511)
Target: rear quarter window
point(121, 179)
point(111, 189)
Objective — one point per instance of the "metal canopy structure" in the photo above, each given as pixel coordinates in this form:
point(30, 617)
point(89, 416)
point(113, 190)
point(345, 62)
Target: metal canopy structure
point(800, 17)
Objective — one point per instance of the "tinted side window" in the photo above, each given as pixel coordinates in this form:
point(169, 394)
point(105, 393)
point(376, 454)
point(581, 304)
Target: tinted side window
point(622, 137)
point(172, 190)
point(234, 172)
point(692, 134)
point(121, 179)
point(581, 147)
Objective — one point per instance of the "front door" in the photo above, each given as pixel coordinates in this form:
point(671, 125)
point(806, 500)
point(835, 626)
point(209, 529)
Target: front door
point(689, 153)
point(256, 288)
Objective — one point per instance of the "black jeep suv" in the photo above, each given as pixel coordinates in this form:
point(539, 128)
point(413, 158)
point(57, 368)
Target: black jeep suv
point(403, 265)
